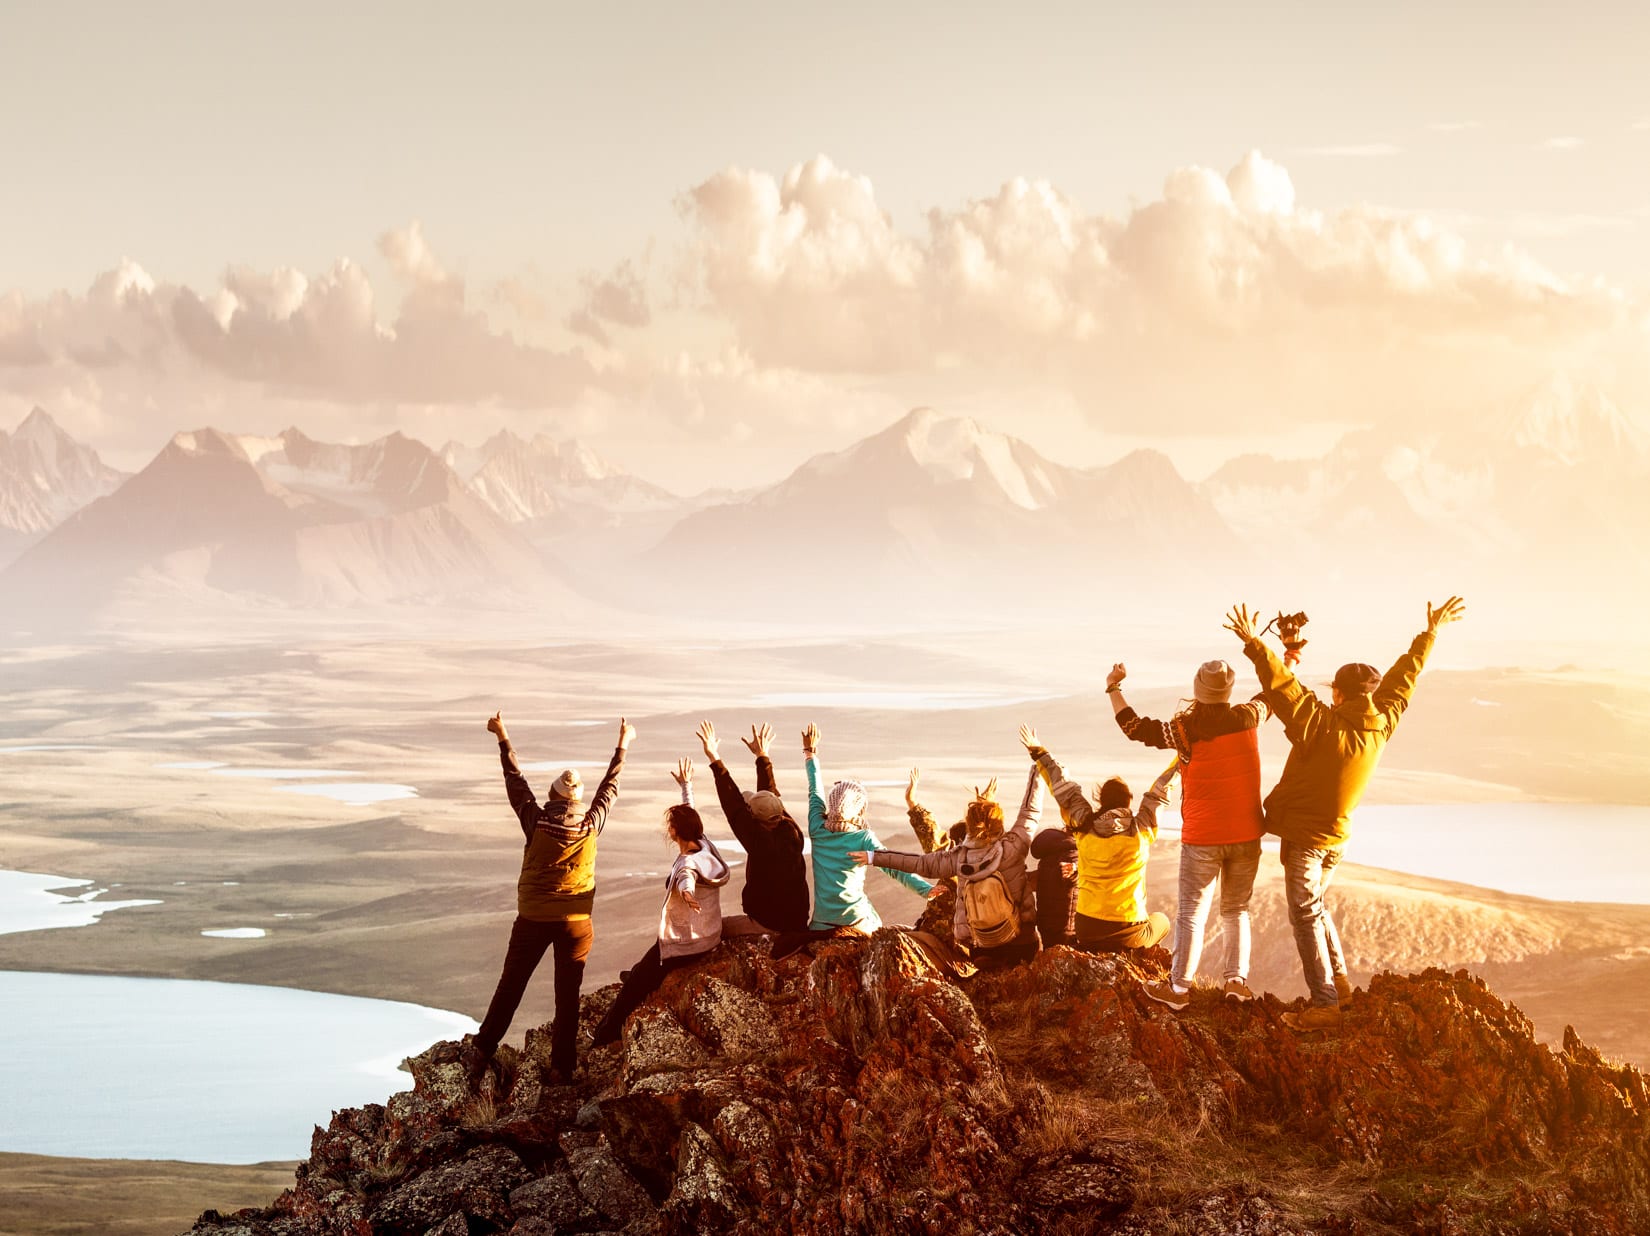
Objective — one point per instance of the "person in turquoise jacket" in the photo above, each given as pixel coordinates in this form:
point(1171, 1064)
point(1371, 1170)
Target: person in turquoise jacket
point(836, 826)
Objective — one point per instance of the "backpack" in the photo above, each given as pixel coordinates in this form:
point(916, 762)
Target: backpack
point(993, 918)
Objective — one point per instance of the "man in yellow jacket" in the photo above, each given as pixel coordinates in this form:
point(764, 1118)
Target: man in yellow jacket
point(1333, 752)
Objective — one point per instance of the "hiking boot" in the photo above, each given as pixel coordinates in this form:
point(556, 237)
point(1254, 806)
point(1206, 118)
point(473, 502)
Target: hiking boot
point(1318, 1017)
point(1343, 988)
point(1164, 993)
point(1237, 989)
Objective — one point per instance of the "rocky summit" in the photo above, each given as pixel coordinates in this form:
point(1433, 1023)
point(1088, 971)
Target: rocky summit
point(857, 1090)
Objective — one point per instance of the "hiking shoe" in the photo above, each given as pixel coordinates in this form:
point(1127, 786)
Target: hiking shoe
point(1165, 993)
point(1343, 988)
point(1318, 1017)
point(1237, 989)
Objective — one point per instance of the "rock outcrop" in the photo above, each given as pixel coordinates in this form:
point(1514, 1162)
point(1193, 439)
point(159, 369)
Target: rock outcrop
point(858, 1091)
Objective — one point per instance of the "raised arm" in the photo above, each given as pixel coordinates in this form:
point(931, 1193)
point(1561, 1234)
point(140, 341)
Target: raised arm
point(1134, 726)
point(757, 744)
point(682, 775)
point(1031, 805)
point(520, 793)
point(922, 819)
point(1393, 695)
point(810, 765)
point(1145, 819)
point(602, 801)
point(1301, 712)
point(1068, 795)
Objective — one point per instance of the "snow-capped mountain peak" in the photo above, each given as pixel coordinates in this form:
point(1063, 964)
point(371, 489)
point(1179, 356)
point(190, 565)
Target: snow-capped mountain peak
point(1575, 422)
point(45, 475)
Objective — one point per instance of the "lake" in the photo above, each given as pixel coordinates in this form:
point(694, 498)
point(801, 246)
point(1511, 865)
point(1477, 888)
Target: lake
point(137, 1068)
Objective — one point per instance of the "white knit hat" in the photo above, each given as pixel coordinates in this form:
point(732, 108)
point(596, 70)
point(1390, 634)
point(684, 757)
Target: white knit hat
point(845, 806)
point(1213, 684)
point(568, 785)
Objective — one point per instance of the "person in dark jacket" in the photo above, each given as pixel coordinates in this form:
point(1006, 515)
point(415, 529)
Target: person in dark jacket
point(775, 898)
point(1333, 752)
point(1056, 855)
point(554, 898)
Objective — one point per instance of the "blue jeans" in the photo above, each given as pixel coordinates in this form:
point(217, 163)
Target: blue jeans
point(1234, 866)
point(1306, 876)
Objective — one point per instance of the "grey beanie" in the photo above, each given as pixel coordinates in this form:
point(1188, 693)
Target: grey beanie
point(1213, 684)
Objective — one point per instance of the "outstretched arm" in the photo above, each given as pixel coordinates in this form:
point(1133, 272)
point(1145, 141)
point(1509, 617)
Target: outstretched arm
point(934, 866)
point(1074, 804)
point(1301, 712)
point(602, 801)
point(911, 880)
point(1393, 695)
point(516, 788)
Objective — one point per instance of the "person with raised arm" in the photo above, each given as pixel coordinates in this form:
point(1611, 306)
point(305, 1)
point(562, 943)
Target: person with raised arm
point(837, 828)
point(1220, 820)
point(994, 922)
point(1113, 846)
point(554, 898)
point(775, 898)
point(1333, 753)
point(690, 919)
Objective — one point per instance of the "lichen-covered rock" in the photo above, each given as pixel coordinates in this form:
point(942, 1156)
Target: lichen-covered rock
point(852, 1089)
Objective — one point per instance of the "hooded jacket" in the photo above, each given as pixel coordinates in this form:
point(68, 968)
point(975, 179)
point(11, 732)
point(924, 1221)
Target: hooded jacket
point(684, 931)
point(839, 882)
point(776, 877)
point(1112, 846)
point(558, 862)
point(1333, 750)
point(1005, 856)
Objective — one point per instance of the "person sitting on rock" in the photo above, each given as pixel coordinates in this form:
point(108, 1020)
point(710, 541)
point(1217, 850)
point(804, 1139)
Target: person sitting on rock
point(775, 898)
point(1220, 819)
point(1056, 884)
point(554, 898)
point(994, 922)
point(690, 920)
point(836, 828)
point(1113, 844)
point(1333, 752)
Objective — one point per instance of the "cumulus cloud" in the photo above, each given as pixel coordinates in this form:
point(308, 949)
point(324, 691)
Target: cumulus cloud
point(1221, 297)
point(286, 334)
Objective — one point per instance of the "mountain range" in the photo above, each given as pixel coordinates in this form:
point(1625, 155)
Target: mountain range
point(934, 516)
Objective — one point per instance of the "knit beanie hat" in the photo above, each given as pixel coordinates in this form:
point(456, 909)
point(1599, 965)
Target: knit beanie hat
point(765, 805)
point(1213, 684)
point(844, 806)
point(1356, 678)
point(568, 785)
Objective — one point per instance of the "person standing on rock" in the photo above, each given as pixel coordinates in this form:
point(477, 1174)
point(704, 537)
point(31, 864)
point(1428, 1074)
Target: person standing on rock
point(775, 898)
point(836, 828)
point(1221, 819)
point(554, 898)
point(995, 919)
point(690, 920)
point(1333, 752)
point(1113, 845)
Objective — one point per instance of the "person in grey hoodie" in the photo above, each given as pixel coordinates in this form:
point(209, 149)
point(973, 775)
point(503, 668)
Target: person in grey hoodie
point(690, 919)
point(984, 852)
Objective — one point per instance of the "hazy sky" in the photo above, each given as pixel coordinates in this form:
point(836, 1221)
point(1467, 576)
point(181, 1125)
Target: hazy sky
point(764, 230)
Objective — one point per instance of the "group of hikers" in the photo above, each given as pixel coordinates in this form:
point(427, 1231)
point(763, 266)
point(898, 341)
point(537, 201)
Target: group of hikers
point(1088, 890)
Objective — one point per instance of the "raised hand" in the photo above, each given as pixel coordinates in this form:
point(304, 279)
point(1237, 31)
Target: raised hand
point(1241, 622)
point(706, 733)
point(757, 744)
point(990, 790)
point(911, 788)
point(683, 772)
point(810, 738)
point(1118, 673)
point(627, 734)
point(861, 857)
point(1028, 737)
point(1452, 610)
point(495, 725)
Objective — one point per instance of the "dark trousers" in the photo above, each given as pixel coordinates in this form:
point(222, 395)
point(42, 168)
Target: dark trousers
point(528, 942)
point(1021, 948)
point(1099, 935)
point(640, 982)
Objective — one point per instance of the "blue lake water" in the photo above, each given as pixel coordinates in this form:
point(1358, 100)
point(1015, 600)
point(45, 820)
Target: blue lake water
point(138, 1068)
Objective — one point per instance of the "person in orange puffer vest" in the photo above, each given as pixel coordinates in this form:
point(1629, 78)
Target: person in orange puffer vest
point(1221, 820)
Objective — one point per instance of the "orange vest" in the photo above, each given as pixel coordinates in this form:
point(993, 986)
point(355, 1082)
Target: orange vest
point(1220, 791)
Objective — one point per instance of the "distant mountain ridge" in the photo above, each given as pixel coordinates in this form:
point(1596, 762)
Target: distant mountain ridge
point(45, 476)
